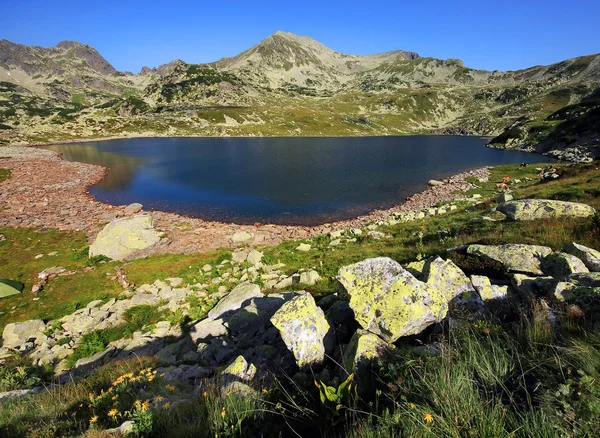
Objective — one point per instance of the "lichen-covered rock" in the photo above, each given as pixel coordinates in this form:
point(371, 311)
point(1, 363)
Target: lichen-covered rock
point(591, 279)
point(239, 369)
point(446, 277)
point(416, 268)
point(123, 238)
point(389, 301)
point(238, 297)
point(303, 328)
point(590, 257)
point(532, 209)
point(529, 287)
point(17, 334)
point(363, 349)
point(560, 264)
point(514, 257)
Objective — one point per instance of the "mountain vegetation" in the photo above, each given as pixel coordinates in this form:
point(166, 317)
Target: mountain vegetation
point(289, 85)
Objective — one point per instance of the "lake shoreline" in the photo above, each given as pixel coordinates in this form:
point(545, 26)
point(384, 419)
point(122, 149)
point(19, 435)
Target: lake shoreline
point(46, 191)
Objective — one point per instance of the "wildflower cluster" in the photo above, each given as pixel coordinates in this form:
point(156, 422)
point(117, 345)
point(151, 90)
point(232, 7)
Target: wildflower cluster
point(119, 401)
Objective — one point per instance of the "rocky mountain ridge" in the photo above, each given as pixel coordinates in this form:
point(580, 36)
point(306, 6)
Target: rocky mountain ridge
point(286, 85)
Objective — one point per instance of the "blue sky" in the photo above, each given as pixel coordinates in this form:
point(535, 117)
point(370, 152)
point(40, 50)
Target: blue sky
point(488, 34)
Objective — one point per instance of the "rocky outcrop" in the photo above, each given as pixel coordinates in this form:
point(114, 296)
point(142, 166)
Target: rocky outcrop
point(123, 239)
point(532, 209)
point(446, 277)
point(235, 300)
point(514, 257)
point(389, 301)
point(362, 351)
point(303, 328)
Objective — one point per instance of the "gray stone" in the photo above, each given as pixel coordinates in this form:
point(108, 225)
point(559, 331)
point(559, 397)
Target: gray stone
point(242, 237)
point(304, 247)
point(362, 351)
point(303, 328)
point(133, 208)
point(590, 257)
point(514, 258)
point(17, 334)
point(239, 296)
point(207, 329)
point(389, 301)
point(374, 235)
point(560, 264)
point(122, 239)
point(532, 209)
point(309, 278)
point(446, 277)
point(239, 256)
point(255, 257)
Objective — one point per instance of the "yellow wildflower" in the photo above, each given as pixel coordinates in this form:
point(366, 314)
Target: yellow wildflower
point(412, 405)
point(427, 417)
point(265, 390)
point(113, 413)
point(205, 394)
point(158, 398)
point(137, 403)
point(223, 412)
point(167, 405)
point(115, 397)
point(170, 387)
point(91, 396)
point(145, 405)
point(93, 419)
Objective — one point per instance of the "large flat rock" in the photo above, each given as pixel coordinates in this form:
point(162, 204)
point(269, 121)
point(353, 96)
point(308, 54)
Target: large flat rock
point(122, 239)
point(532, 209)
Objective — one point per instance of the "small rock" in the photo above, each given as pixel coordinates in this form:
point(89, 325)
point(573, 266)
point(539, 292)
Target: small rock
point(133, 208)
point(304, 247)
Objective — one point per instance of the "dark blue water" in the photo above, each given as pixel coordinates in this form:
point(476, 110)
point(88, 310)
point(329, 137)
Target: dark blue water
point(279, 180)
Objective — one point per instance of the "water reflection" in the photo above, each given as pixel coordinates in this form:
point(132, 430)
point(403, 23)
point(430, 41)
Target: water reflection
point(122, 169)
point(279, 180)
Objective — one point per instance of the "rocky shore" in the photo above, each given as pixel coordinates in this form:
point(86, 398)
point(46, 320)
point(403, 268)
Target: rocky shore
point(46, 191)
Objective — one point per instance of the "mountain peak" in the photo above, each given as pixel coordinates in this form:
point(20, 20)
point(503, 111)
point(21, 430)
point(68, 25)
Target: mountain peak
point(67, 44)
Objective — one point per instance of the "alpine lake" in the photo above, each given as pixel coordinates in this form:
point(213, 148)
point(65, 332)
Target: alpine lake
point(295, 181)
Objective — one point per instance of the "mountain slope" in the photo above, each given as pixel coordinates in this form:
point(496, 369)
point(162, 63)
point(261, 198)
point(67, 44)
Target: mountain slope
point(287, 85)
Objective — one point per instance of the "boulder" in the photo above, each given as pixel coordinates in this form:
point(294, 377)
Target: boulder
point(389, 301)
point(590, 257)
point(374, 235)
point(303, 328)
point(532, 209)
point(446, 277)
point(242, 237)
point(560, 264)
point(364, 348)
point(514, 257)
point(17, 334)
point(123, 238)
point(237, 298)
point(433, 183)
